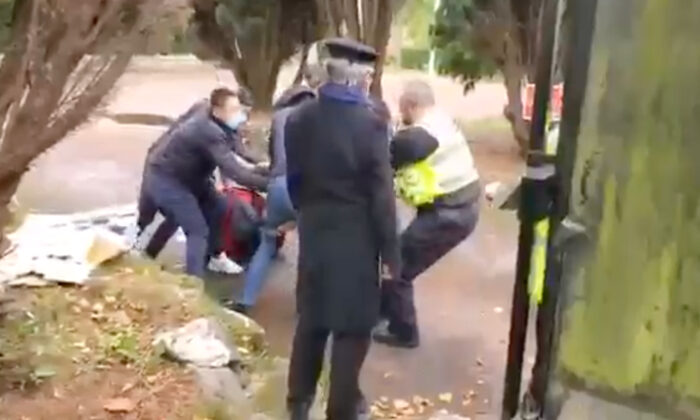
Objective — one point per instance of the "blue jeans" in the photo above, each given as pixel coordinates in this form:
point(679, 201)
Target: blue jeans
point(196, 213)
point(279, 211)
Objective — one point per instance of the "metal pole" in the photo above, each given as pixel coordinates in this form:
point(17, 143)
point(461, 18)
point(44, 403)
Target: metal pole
point(531, 189)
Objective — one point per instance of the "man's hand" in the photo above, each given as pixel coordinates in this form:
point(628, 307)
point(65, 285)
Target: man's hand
point(286, 227)
point(262, 168)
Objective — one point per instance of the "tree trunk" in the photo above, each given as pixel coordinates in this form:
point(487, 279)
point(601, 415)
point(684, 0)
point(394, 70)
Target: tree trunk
point(352, 19)
point(382, 33)
point(55, 75)
point(262, 84)
point(7, 192)
point(513, 111)
point(371, 25)
point(514, 55)
point(299, 77)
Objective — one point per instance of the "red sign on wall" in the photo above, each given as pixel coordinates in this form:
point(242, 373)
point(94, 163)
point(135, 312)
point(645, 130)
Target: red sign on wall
point(555, 104)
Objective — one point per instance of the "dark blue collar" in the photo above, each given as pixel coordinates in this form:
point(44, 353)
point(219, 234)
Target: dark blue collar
point(343, 93)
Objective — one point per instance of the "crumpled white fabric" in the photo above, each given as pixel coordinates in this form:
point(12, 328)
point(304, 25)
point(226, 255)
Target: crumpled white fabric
point(62, 248)
point(196, 343)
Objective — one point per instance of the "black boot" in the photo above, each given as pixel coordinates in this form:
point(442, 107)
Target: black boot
point(299, 411)
point(363, 410)
point(237, 307)
point(383, 335)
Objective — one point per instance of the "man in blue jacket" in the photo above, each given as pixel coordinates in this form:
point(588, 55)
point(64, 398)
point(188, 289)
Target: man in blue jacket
point(180, 167)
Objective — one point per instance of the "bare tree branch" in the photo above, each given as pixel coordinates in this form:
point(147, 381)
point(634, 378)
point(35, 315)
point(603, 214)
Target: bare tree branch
point(63, 93)
point(15, 163)
point(13, 70)
point(108, 14)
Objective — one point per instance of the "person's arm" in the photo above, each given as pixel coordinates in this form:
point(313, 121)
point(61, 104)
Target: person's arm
point(292, 137)
point(383, 203)
point(411, 145)
point(218, 149)
point(242, 150)
point(278, 156)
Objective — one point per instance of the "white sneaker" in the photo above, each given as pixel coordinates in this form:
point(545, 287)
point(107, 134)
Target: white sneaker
point(223, 264)
point(136, 241)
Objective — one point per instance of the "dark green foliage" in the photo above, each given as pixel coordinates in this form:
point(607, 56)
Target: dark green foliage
point(5, 19)
point(414, 58)
point(456, 36)
point(254, 38)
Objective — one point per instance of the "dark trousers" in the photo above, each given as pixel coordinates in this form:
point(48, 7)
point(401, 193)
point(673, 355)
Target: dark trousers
point(147, 208)
point(194, 212)
point(146, 215)
point(433, 233)
point(347, 357)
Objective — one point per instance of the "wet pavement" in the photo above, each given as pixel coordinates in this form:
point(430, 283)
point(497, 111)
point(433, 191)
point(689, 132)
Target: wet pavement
point(462, 301)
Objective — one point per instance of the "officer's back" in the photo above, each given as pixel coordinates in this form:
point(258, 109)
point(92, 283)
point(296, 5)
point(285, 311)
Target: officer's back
point(337, 150)
point(185, 153)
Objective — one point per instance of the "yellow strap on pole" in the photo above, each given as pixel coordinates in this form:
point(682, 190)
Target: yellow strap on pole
point(538, 262)
point(538, 256)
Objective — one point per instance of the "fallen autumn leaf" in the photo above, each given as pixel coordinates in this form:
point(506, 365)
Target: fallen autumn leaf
point(119, 405)
point(401, 405)
point(445, 398)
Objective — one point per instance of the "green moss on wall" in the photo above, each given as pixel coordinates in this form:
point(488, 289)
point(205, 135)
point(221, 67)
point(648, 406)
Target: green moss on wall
point(634, 326)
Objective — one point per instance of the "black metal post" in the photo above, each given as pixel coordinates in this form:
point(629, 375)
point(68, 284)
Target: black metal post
point(577, 63)
point(520, 302)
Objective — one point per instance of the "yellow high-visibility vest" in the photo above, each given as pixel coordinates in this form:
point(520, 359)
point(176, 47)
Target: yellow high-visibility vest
point(417, 184)
point(448, 169)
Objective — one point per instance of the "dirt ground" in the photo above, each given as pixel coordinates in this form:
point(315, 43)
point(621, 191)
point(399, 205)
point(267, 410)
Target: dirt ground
point(462, 302)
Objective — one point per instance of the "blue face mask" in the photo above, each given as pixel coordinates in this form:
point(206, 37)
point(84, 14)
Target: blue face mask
point(237, 120)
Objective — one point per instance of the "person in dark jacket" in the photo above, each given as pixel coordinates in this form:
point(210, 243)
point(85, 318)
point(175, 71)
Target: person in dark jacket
point(147, 210)
point(180, 169)
point(280, 213)
point(339, 179)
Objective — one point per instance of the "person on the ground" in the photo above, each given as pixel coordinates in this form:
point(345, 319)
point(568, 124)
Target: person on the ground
point(180, 169)
point(339, 179)
point(147, 209)
point(435, 173)
point(280, 214)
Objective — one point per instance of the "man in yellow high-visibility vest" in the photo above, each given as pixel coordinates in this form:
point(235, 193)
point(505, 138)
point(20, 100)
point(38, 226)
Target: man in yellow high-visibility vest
point(435, 173)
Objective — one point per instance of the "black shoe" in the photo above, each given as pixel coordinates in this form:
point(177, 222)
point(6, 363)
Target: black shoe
point(237, 307)
point(383, 335)
point(529, 408)
point(363, 410)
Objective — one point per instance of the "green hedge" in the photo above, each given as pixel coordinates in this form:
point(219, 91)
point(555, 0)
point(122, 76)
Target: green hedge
point(414, 58)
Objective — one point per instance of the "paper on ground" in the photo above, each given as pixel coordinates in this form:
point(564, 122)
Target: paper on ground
point(196, 343)
point(65, 248)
